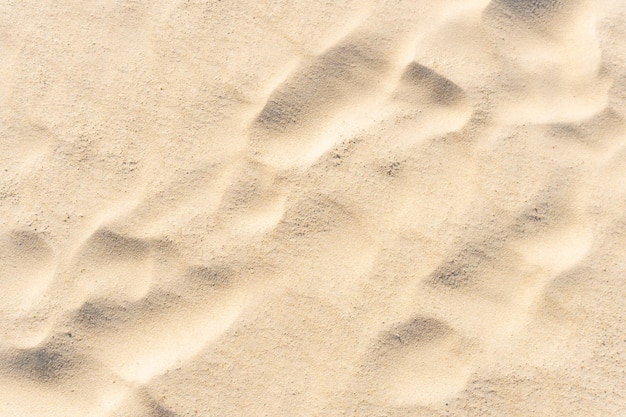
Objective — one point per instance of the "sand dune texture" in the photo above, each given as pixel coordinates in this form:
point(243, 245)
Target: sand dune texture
point(352, 208)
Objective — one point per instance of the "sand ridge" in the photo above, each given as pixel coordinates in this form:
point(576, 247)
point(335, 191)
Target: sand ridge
point(303, 209)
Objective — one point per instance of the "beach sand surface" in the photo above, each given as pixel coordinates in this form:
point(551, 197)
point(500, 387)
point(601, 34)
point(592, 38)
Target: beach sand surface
point(355, 208)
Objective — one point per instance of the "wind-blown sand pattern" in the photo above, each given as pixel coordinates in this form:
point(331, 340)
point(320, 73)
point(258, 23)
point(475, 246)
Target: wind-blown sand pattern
point(356, 208)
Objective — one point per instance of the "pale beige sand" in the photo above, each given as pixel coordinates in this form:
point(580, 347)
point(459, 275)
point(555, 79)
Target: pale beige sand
point(353, 208)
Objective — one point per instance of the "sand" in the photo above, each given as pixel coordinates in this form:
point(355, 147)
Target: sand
point(353, 208)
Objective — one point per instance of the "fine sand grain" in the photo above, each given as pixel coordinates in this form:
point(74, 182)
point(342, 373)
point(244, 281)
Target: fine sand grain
point(353, 208)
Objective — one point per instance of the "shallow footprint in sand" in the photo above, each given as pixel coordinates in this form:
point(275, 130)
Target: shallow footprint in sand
point(27, 269)
point(289, 130)
point(419, 362)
